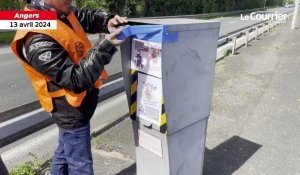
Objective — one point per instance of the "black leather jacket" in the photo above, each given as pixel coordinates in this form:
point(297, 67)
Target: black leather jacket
point(65, 74)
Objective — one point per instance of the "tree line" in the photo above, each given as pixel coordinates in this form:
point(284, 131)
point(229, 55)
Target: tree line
point(11, 4)
point(140, 8)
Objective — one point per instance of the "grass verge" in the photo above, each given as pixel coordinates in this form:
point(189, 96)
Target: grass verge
point(34, 167)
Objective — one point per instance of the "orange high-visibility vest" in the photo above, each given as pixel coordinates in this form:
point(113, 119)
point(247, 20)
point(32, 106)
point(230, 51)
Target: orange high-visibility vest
point(75, 42)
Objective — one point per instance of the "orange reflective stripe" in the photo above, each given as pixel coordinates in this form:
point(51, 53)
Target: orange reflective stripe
point(47, 79)
point(75, 99)
point(58, 93)
point(98, 83)
point(104, 75)
point(78, 29)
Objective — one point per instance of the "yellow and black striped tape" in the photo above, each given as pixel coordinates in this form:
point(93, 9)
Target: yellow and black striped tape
point(133, 93)
point(133, 102)
point(163, 120)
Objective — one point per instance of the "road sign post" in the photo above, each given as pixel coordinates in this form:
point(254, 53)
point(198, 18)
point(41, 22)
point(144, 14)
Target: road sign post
point(293, 27)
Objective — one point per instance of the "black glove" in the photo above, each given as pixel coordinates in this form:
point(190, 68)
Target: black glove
point(103, 50)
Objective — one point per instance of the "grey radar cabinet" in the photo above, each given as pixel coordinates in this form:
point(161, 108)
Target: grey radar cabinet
point(168, 69)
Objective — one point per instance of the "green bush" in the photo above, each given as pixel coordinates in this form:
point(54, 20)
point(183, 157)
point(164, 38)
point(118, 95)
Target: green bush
point(6, 37)
point(11, 4)
point(28, 168)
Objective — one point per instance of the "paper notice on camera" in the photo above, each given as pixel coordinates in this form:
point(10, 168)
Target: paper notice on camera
point(146, 57)
point(149, 98)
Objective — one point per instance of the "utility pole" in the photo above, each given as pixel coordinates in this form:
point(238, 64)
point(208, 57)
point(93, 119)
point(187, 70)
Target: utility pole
point(295, 14)
point(265, 3)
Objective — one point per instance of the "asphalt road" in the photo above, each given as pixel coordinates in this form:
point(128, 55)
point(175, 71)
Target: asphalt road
point(16, 89)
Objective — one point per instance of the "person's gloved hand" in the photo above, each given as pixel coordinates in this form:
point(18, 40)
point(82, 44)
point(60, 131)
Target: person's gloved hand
point(105, 47)
point(112, 37)
point(115, 22)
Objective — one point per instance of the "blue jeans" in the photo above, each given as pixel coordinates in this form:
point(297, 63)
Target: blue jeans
point(73, 155)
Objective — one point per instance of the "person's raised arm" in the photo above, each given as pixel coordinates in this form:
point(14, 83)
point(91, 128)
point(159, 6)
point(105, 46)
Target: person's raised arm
point(54, 62)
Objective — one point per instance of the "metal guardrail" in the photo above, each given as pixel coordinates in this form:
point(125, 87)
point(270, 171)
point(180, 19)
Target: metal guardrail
point(38, 118)
point(7, 30)
point(233, 40)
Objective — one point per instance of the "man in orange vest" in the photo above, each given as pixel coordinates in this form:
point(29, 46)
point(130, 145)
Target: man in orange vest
point(65, 71)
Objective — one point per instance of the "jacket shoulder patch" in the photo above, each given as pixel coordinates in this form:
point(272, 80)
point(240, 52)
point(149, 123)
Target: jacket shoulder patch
point(45, 56)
